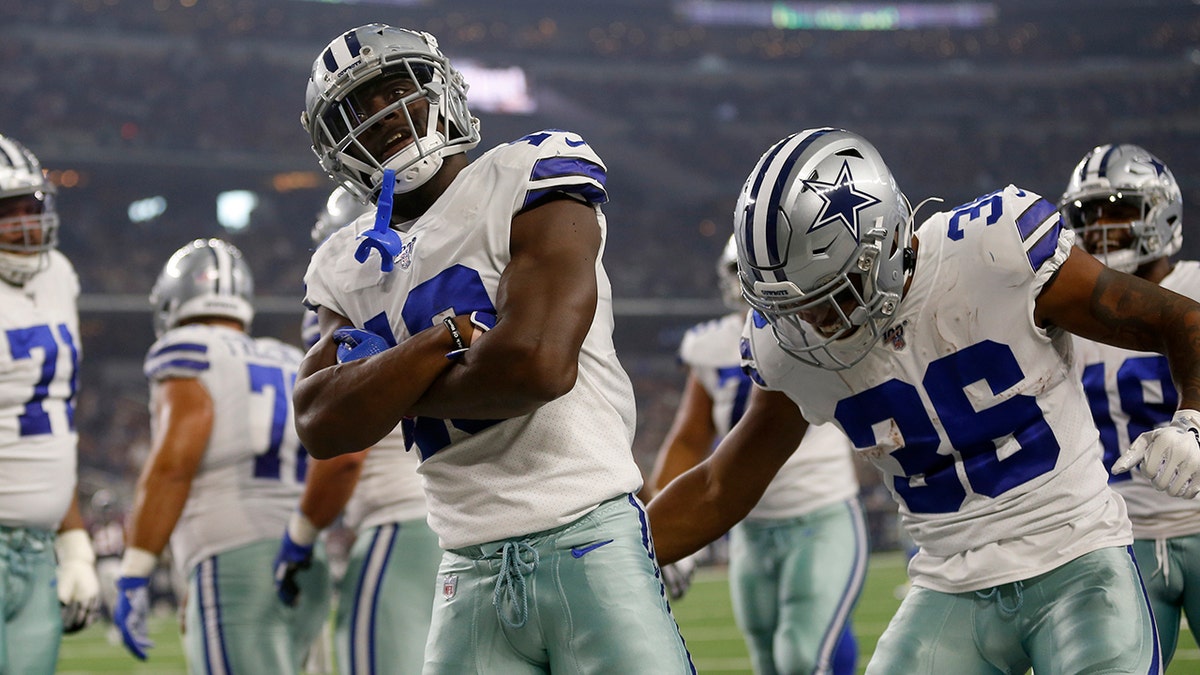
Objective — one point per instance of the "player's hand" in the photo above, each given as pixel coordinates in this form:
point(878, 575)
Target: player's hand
point(291, 559)
point(1169, 456)
point(677, 576)
point(78, 586)
point(133, 607)
point(355, 343)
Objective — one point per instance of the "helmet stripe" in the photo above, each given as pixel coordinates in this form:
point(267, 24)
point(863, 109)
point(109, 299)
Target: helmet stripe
point(750, 216)
point(780, 171)
point(5, 148)
point(1102, 170)
point(353, 44)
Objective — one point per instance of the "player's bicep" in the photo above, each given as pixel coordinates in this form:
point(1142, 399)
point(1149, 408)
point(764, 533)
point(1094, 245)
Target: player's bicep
point(184, 414)
point(547, 294)
point(1093, 301)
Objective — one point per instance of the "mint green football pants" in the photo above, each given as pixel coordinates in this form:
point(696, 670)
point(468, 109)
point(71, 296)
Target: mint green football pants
point(586, 597)
point(1171, 570)
point(1090, 615)
point(235, 624)
point(385, 601)
point(29, 598)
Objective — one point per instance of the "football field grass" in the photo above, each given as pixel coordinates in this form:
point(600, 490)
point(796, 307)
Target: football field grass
point(704, 616)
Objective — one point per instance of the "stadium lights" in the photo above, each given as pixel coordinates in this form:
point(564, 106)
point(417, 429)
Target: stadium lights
point(234, 208)
point(145, 210)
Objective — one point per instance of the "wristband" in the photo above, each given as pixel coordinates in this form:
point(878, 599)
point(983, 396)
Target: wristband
point(138, 562)
point(301, 530)
point(74, 544)
point(459, 347)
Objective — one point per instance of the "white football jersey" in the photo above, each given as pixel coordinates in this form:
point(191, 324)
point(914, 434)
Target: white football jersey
point(1130, 394)
point(39, 363)
point(253, 470)
point(488, 480)
point(819, 473)
point(973, 414)
point(389, 488)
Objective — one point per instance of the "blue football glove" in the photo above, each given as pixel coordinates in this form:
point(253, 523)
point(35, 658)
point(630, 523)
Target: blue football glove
point(133, 606)
point(291, 559)
point(355, 343)
point(382, 237)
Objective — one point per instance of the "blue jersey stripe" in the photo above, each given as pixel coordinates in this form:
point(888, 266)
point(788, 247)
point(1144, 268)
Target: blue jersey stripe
point(179, 347)
point(179, 365)
point(1034, 216)
point(557, 167)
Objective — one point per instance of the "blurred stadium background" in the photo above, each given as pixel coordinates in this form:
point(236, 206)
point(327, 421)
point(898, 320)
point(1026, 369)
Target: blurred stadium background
point(166, 120)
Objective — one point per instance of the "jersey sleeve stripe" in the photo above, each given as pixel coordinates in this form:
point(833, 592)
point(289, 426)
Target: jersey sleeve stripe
point(176, 368)
point(569, 175)
point(1040, 227)
point(179, 347)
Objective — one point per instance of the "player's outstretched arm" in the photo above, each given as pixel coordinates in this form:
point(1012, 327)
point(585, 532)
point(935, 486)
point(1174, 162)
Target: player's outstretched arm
point(348, 407)
point(688, 441)
point(702, 504)
point(327, 489)
point(1094, 301)
point(183, 422)
point(545, 304)
point(1097, 302)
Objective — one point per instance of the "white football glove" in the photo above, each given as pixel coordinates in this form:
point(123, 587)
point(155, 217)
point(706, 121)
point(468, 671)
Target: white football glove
point(677, 576)
point(1169, 456)
point(78, 586)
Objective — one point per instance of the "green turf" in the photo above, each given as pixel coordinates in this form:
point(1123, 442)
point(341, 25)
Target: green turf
point(704, 616)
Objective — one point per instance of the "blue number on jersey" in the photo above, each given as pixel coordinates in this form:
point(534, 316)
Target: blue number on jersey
point(454, 291)
point(22, 344)
point(1132, 375)
point(994, 203)
point(267, 464)
point(930, 483)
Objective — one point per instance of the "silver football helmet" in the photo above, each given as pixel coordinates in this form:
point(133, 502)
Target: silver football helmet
point(342, 106)
point(204, 278)
point(1135, 196)
point(823, 237)
point(727, 277)
point(341, 209)
point(28, 218)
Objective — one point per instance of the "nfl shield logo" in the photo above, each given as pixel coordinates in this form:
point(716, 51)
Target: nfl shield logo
point(404, 259)
point(449, 586)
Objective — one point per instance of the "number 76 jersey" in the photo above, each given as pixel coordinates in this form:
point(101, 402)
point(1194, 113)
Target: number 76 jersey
point(973, 413)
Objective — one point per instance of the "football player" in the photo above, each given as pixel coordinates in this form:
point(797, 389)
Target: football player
point(39, 365)
point(1127, 210)
point(944, 354)
point(224, 473)
point(476, 313)
point(798, 560)
point(385, 597)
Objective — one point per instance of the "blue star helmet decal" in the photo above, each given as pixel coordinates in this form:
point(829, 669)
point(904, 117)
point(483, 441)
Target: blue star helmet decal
point(1159, 167)
point(842, 201)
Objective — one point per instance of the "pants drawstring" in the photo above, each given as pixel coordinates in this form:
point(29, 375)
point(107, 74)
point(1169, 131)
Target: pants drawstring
point(1163, 559)
point(994, 592)
point(510, 583)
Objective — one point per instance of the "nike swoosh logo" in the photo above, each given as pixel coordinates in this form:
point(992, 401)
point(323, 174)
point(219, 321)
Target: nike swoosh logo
point(580, 551)
point(575, 144)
